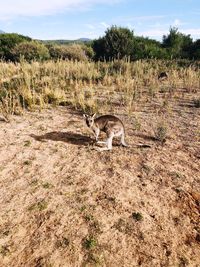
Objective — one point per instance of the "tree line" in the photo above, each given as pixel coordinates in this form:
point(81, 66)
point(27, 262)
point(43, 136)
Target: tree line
point(117, 43)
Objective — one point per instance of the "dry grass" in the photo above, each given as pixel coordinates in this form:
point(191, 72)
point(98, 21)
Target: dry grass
point(65, 204)
point(90, 86)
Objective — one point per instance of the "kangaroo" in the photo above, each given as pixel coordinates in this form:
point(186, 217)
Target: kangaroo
point(109, 124)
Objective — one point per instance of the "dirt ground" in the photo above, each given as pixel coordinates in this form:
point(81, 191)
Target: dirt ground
point(63, 203)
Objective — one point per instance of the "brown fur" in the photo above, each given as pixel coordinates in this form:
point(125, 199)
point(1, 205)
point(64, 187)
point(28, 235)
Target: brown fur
point(109, 124)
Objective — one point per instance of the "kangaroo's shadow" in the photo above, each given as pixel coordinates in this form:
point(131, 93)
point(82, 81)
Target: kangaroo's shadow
point(68, 137)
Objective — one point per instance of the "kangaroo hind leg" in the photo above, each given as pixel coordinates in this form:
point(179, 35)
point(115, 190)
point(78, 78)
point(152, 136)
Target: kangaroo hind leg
point(108, 144)
point(123, 140)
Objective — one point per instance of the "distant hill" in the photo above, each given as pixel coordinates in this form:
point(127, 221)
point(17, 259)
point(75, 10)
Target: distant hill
point(62, 41)
point(84, 40)
point(54, 42)
point(80, 40)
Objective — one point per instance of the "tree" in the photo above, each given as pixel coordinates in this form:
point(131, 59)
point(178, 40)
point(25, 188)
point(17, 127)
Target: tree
point(178, 44)
point(117, 43)
point(148, 48)
point(30, 51)
point(195, 50)
point(8, 41)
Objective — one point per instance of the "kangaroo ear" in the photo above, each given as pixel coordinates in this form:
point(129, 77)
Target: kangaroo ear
point(85, 116)
point(93, 115)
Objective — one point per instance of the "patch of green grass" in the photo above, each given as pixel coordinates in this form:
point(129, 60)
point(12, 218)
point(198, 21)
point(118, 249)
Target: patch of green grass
point(34, 182)
point(47, 185)
point(27, 162)
point(137, 216)
point(27, 143)
point(39, 206)
point(88, 217)
point(83, 208)
point(90, 243)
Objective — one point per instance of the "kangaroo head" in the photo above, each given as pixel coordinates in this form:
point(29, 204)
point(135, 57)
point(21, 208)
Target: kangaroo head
point(89, 119)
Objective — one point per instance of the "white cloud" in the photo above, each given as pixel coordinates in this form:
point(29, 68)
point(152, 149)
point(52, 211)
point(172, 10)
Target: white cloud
point(105, 25)
point(194, 32)
point(158, 33)
point(128, 25)
point(11, 8)
point(177, 23)
point(153, 33)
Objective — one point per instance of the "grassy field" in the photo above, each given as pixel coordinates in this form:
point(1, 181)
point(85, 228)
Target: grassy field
point(91, 86)
point(63, 203)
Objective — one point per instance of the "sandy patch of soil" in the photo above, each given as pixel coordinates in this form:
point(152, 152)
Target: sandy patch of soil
point(62, 203)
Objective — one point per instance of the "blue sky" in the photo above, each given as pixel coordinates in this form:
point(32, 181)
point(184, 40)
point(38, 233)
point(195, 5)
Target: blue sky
point(72, 19)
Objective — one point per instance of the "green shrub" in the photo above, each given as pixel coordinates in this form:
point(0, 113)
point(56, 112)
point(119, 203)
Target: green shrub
point(90, 243)
point(88, 51)
point(69, 52)
point(116, 44)
point(30, 51)
point(8, 41)
point(137, 216)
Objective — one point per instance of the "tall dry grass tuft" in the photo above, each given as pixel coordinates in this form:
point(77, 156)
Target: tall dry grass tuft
point(90, 86)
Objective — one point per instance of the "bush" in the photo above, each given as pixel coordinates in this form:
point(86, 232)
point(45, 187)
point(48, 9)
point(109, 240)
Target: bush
point(8, 41)
point(88, 51)
point(116, 44)
point(147, 48)
point(69, 52)
point(30, 51)
point(178, 44)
